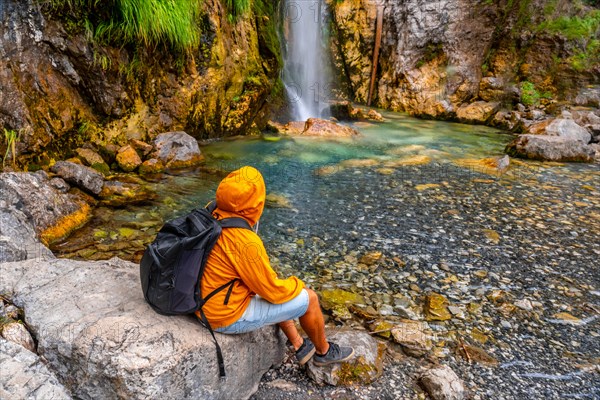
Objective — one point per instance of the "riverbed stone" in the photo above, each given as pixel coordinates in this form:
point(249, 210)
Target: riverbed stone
point(442, 383)
point(436, 307)
point(117, 193)
point(25, 376)
point(104, 341)
point(81, 176)
point(550, 148)
point(128, 159)
point(413, 336)
point(325, 128)
point(364, 368)
point(177, 150)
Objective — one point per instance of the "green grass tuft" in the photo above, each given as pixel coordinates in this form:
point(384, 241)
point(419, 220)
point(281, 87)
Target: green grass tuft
point(574, 27)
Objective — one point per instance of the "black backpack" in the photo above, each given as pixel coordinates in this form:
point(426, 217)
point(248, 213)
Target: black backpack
point(173, 264)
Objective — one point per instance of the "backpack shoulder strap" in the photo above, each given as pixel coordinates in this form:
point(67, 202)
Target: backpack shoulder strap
point(234, 222)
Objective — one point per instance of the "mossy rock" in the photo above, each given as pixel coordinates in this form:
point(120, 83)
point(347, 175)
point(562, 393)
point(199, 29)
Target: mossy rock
point(362, 369)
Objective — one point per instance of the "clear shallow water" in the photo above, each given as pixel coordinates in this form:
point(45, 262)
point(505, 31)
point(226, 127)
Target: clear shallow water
point(288, 167)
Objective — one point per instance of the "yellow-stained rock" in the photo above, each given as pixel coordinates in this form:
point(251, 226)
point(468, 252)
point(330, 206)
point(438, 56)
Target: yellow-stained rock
point(67, 224)
point(128, 159)
point(409, 161)
point(436, 307)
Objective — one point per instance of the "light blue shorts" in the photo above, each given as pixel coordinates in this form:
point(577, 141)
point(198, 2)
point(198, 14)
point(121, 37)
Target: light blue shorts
point(261, 313)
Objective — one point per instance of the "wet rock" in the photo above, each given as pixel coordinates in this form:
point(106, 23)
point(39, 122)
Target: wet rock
point(345, 111)
point(25, 376)
point(117, 193)
point(338, 302)
point(151, 166)
point(364, 368)
point(371, 258)
point(17, 333)
point(321, 127)
point(142, 148)
point(479, 112)
point(414, 337)
point(436, 307)
point(550, 148)
point(442, 383)
point(121, 347)
point(276, 200)
point(89, 157)
point(177, 150)
point(81, 176)
point(419, 159)
point(32, 208)
point(128, 159)
point(374, 116)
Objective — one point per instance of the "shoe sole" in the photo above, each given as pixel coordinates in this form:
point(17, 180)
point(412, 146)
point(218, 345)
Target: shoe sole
point(322, 364)
point(307, 357)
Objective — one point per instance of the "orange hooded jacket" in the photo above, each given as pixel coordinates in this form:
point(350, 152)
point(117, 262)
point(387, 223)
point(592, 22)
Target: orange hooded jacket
point(240, 253)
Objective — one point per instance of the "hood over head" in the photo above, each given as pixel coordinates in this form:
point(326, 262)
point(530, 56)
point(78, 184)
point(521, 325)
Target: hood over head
point(242, 194)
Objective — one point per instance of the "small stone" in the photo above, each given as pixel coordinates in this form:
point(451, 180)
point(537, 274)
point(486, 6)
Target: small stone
point(151, 166)
point(142, 148)
point(276, 200)
point(505, 324)
point(128, 159)
point(17, 333)
point(524, 304)
point(414, 337)
point(436, 308)
point(89, 157)
point(371, 258)
point(442, 383)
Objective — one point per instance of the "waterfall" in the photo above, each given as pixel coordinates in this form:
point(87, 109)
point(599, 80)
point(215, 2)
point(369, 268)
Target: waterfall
point(303, 72)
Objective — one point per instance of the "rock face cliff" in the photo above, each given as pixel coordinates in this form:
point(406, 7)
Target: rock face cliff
point(439, 56)
point(60, 87)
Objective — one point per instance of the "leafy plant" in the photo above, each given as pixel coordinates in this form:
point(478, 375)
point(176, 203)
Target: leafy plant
point(10, 138)
point(529, 94)
point(574, 27)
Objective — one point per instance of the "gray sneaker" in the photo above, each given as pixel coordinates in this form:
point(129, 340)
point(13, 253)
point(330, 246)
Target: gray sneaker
point(335, 354)
point(305, 352)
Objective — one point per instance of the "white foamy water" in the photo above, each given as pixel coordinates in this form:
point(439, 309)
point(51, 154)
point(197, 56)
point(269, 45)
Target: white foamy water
point(303, 71)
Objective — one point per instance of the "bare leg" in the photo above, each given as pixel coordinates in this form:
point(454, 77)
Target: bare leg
point(289, 328)
point(313, 324)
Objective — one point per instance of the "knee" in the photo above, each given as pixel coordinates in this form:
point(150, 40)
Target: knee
point(313, 298)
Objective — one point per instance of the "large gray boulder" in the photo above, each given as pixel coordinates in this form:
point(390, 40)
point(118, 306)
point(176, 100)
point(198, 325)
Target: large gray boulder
point(103, 341)
point(550, 148)
point(568, 129)
point(25, 376)
point(177, 150)
point(79, 175)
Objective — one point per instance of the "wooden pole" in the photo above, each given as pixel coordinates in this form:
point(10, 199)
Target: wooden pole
point(376, 53)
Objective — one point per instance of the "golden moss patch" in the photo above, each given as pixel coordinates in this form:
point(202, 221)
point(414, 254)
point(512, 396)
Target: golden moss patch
point(67, 224)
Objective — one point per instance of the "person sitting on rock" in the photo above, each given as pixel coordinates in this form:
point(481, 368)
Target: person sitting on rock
point(259, 297)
